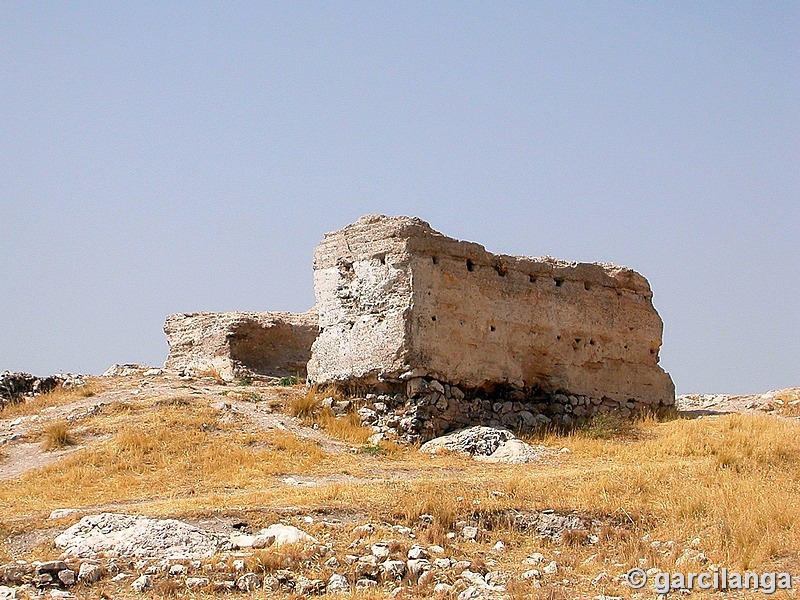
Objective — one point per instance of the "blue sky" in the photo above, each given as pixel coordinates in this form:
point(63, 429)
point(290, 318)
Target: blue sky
point(163, 157)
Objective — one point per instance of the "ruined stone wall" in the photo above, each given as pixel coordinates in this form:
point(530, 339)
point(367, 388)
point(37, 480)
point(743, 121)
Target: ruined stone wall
point(516, 337)
point(241, 344)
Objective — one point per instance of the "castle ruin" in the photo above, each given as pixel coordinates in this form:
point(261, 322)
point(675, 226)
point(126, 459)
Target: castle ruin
point(449, 334)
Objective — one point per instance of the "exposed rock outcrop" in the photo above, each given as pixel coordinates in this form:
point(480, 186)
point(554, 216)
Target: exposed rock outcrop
point(241, 344)
point(14, 387)
point(126, 535)
point(399, 302)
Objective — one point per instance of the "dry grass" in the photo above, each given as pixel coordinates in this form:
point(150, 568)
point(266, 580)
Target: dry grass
point(57, 397)
point(57, 436)
point(212, 373)
point(732, 481)
point(309, 409)
point(173, 452)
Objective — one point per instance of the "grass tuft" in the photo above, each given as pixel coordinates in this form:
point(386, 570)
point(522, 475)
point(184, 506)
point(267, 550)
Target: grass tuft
point(57, 436)
point(606, 426)
point(211, 373)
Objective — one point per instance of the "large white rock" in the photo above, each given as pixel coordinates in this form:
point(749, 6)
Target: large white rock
point(486, 444)
point(287, 534)
point(110, 534)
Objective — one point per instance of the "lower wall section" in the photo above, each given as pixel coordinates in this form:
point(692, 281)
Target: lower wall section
point(429, 408)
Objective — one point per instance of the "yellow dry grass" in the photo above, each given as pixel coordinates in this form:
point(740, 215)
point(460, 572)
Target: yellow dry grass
point(170, 452)
point(309, 409)
point(56, 436)
point(732, 481)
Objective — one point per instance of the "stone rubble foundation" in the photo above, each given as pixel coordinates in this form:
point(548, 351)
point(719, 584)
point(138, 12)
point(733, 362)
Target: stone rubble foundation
point(430, 408)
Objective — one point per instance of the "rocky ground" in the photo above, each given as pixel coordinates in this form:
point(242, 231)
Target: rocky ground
point(314, 512)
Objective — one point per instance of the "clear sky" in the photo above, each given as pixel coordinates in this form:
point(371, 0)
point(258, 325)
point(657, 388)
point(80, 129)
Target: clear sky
point(160, 157)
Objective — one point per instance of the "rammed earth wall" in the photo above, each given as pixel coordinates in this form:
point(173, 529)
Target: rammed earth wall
point(519, 341)
point(241, 344)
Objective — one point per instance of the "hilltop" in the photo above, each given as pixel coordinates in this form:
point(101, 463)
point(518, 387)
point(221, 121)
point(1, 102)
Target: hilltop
point(232, 459)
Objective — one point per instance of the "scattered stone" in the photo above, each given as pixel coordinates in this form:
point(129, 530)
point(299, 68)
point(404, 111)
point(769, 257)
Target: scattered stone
point(487, 444)
point(532, 574)
point(248, 582)
point(364, 530)
point(8, 593)
point(394, 569)
point(332, 562)
point(551, 568)
point(242, 541)
point(287, 534)
point(194, 583)
point(472, 441)
point(551, 525)
point(337, 584)
point(67, 577)
point(223, 585)
point(442, 563)
point(142, 583)
point(51, 566)
point(125, 370)
point(691, 556)
point(60, 513)
point(89, 573)
point(380, 550)
point(367, 566)
point(416, 552)
point(469, 533)
point(417, 566)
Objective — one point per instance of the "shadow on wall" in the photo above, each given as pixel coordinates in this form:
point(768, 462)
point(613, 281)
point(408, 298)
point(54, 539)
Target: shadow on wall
point(273, 351)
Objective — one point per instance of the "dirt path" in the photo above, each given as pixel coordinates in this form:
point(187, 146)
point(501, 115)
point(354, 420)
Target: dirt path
point(27, 456)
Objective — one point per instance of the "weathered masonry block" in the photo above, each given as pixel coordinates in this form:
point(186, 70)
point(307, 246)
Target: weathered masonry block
point(241, 344)
point(451, 334)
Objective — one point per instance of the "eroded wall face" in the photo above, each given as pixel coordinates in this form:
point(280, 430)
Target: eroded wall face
point(480, 320)
point(362, 286)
